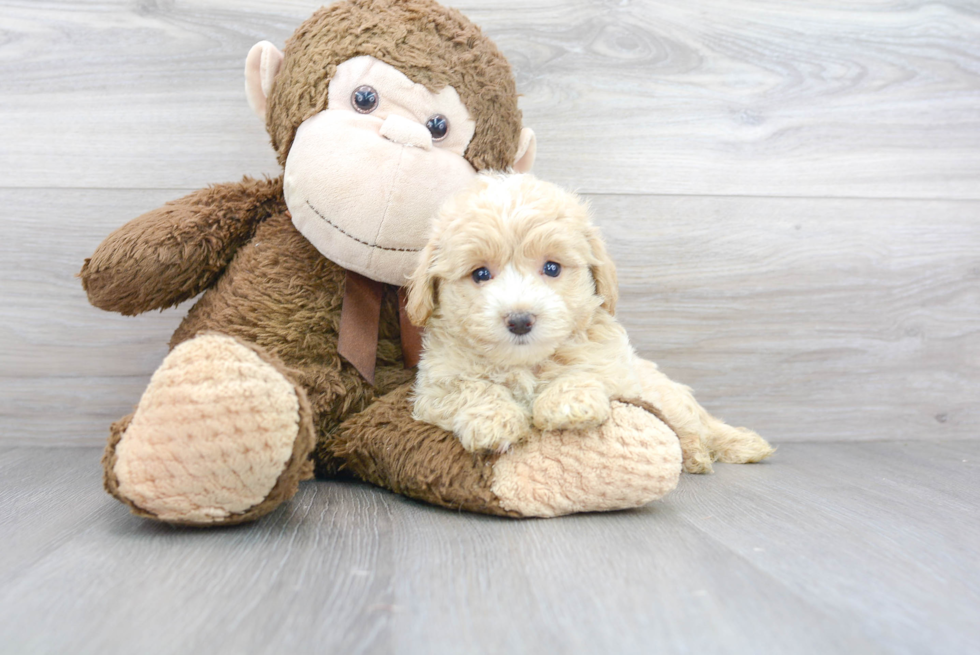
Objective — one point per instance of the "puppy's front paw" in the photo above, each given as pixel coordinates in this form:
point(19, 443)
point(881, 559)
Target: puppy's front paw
point(564, 407)
point(496, 429)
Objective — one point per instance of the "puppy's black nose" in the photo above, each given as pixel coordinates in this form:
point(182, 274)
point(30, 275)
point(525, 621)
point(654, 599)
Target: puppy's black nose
point(520, 323)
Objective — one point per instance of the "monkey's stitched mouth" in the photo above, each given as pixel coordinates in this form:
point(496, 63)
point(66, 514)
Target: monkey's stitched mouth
point(354, 238)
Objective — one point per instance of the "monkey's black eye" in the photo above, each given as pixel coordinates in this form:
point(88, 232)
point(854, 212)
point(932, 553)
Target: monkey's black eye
point(438, 127)
point(364, 99)
point(482, 274)
point(551, 269)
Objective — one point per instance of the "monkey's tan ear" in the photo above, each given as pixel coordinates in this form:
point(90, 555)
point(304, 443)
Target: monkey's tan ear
point(261, 66)
point(603, 272)
point(421, 285)
point(527, 147)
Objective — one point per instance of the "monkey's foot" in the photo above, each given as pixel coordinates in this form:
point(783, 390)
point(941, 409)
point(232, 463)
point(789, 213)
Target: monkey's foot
point(221, 435)
point(630, 460)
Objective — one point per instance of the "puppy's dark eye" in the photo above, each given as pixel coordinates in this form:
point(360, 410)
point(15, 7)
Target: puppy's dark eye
point(482, 274)
point(438, 127)
point(551, 269)
point(364, 99)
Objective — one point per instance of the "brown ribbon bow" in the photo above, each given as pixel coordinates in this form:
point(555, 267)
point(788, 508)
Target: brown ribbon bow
point(360, 318)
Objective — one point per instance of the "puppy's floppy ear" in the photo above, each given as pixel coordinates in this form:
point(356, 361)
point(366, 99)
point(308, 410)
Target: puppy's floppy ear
point(603, 272)
point(422, 288)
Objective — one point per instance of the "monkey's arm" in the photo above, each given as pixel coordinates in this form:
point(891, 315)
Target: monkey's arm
point(173, 253)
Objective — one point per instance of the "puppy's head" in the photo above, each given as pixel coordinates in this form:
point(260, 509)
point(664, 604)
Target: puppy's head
point(513, 268)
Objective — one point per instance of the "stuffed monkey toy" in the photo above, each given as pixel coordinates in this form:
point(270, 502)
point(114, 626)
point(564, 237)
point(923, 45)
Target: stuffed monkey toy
point(296, 359)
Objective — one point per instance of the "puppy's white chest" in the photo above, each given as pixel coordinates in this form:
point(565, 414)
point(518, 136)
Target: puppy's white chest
point(523, 385)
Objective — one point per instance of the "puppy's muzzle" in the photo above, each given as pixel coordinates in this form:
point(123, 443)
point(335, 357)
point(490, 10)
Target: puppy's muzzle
point(519, 323)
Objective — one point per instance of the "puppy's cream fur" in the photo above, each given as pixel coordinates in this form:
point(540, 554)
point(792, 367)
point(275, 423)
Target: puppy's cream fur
point(488, 385)
point(476, 378)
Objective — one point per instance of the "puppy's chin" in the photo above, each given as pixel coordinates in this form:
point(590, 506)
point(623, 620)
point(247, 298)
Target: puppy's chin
point(524, 350)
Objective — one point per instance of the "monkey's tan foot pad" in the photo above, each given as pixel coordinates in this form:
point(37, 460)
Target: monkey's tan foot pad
point(219, 436)
point(631, 460)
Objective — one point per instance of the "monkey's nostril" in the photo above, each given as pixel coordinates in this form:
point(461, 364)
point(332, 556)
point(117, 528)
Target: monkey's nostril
point(520, 324)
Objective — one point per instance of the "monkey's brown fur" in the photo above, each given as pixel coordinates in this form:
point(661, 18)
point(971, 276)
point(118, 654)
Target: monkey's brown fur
point(266, 285)
point(432, 45)
point(269, 293)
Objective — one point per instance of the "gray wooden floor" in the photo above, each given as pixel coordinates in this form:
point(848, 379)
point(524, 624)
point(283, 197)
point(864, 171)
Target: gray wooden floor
point(829, 548)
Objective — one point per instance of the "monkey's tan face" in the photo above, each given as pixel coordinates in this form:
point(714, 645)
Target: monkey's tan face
point(365, 177)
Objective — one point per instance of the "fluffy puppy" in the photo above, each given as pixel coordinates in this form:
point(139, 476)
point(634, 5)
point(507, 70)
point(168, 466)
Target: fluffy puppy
point(517, 293)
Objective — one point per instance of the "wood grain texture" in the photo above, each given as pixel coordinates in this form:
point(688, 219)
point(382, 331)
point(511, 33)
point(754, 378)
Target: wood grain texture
point(872, 99)
point(829, 548)
point(862, 529)
point(742, 159)
point(46, 499)
point(66, 367)
point(806, 320)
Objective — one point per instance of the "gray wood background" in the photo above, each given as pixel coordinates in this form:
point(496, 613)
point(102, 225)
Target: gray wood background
point(791, 189)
